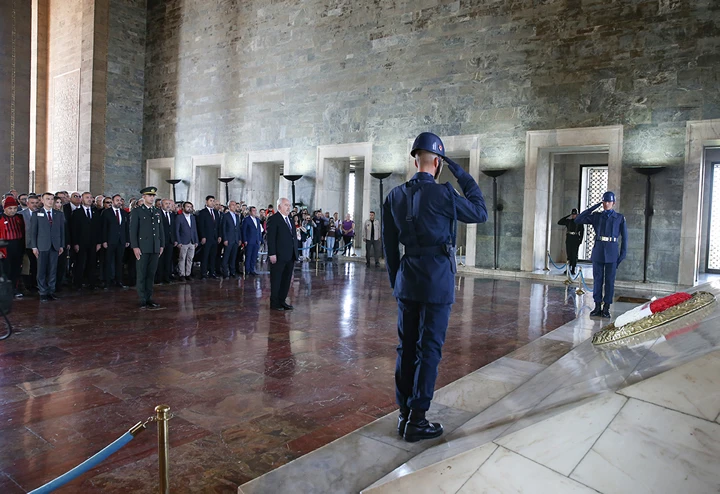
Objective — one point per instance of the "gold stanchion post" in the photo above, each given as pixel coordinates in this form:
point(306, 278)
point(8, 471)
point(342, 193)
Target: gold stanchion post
point(162, 417)
point(580, 290)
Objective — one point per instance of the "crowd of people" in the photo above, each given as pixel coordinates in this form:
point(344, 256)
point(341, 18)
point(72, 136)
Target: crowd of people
point(90, 238)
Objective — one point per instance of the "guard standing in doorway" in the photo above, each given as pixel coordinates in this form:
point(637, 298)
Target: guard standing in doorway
point(573, 238)
point(609, 226)
point(422, 215)
point(147, 240)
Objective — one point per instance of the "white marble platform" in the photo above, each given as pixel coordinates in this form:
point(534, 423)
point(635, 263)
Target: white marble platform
point(554, 421)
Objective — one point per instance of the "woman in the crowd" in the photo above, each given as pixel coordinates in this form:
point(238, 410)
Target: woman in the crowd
point(348, 233)
point(12, 231)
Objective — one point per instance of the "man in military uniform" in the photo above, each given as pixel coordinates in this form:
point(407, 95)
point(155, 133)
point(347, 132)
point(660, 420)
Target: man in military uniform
point(147, 240)
point(573, 238)
point(606, 256)
point(422, 215)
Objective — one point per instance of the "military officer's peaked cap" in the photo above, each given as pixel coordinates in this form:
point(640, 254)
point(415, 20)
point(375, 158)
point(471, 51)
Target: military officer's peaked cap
point(149, 191)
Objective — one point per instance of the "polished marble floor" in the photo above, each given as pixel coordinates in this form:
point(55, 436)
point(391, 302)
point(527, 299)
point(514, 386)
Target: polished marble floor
point(250, 389)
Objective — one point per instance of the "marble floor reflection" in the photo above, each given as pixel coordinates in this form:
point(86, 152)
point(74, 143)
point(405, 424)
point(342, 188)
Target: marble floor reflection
point(250, 389)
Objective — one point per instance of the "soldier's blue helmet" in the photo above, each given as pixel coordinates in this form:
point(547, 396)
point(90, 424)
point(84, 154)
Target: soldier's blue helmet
point(608, 197)
point(427, 141)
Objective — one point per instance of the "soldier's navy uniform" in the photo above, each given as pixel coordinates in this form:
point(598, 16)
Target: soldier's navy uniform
point(146, 233)
point(608, 252)
point(420, 214)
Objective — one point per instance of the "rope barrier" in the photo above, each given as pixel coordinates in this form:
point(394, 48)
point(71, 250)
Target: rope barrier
point(93, 461)
point(555, 265)
point(582, 280)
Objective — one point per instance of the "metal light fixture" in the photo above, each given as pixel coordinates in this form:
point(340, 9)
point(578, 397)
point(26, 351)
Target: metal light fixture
point(226, 181)
point(496, 207)
point(173, 182)
point(293, 179)
point(648, 171)
point(381, 176)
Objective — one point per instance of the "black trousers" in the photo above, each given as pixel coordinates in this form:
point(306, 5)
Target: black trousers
point(31, 280)
point(165, 264)
point(229, 259)
point(62, 268)
point(207, 257)
point(145, 268)
point(572, 245)
point(12, 264)
point(280, 278)
point(85, 265)
point(114, 263)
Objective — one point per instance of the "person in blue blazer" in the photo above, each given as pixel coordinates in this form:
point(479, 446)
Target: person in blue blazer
point(252, 238)
point(607, 255)
point(187, 238)
point(232, 238)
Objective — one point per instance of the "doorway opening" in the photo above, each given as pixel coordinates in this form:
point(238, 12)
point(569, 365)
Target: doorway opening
point(157, 172)
point(206, 172)
point(710, 216)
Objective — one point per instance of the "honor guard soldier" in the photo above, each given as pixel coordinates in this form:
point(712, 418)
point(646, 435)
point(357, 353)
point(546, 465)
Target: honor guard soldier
point(573, 238)
point(609, 226)
point(422, 215)
point(147, 240)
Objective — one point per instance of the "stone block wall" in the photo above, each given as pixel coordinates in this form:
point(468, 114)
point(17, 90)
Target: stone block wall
point(230, 77)
point(125, 95)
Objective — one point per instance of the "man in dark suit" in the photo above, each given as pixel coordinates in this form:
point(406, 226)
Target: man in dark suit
point(208, 223)
point(282, 253)
point(147, 240)
point(47, 239)
point(85, 231)
point(186, 235)
point(165, 264)
point(115, 237)
point(252, 237)
point(232, 238)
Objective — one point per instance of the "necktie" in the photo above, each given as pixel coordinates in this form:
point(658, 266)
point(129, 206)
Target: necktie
point(49, 215)
point(212, 212)
point(234, 219)
point(87, 212)
point(287, 221)
point(372, 230)
point(117, 215)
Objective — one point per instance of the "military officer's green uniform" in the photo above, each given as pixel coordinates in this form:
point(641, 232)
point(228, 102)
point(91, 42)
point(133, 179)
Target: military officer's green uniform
point(146, 233)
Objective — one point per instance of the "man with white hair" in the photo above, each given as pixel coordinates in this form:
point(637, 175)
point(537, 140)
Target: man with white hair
point(282, 254)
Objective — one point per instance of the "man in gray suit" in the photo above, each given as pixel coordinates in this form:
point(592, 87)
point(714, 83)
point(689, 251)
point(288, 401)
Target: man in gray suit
point(46, 239)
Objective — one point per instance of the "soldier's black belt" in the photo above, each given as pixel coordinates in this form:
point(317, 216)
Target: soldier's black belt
point(432, 250)
point(605, 239)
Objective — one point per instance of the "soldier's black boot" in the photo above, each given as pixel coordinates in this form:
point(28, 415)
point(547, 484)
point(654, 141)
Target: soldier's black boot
point(596, 311)
point(418, 428)
point(606, 311)
point(402, 420)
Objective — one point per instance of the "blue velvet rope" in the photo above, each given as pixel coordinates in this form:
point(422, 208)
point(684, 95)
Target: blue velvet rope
point(88, 464)
point(582, 279)
point(553, 263)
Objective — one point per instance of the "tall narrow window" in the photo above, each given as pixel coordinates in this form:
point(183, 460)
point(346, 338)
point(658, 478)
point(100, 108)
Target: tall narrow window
point(593, 184)
point(351, 195)
point(713, 251)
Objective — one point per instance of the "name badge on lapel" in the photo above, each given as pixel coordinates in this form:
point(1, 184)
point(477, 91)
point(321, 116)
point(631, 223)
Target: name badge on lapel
point(41, 215)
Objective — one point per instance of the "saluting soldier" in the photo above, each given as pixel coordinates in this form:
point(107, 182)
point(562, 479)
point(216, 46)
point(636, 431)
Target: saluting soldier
point(573, 238)
point(422, 215)
point(607, 255)
point(147, 240)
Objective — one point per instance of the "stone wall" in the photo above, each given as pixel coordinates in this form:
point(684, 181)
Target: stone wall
point(125, 93)
point(231, 77)
point(15, 38)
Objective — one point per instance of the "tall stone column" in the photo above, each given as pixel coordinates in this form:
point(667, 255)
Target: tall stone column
point(15, 36)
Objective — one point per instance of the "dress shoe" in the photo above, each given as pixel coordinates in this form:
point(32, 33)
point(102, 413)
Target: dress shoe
point(596, 311)
point(188, 278)
point(203, 277)
point(44, 298)
point(214, 276)
point(120, 285)
point(143, 305)
point(402, 420)
point(418, 427)
point(277, 307)
point(287, 306)
point(606, 311)
point(52, 296)
point(152, 305)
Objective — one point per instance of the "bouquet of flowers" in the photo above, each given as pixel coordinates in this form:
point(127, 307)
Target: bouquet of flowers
point(653, 307)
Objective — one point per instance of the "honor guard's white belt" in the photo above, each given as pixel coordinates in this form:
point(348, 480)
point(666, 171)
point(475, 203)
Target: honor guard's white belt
point(606, 239)
point(573, 233)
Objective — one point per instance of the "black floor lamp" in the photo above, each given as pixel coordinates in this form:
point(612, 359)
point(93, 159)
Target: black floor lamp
point(293, 179)
point(226, 181)
point(496, 208)
point(648, 171)
point(381, 176)
point(173, 182)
